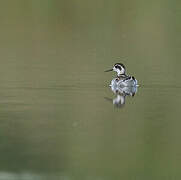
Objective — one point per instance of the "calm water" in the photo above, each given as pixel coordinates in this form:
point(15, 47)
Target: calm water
point(57, 119)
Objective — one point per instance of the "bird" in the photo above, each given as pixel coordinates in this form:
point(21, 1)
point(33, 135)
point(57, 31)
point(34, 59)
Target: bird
point(122, 79)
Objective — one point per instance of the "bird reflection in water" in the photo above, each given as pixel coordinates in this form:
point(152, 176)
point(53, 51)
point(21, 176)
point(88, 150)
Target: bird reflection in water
point(121, 93)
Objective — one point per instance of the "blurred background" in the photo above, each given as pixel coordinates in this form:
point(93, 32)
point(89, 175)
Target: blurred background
point(55, 121)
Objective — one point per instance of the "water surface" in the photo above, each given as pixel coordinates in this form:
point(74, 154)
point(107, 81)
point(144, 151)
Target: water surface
point(55, 122)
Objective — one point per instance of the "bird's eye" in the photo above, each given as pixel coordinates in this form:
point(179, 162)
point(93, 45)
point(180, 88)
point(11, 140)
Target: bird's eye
point(118, 67)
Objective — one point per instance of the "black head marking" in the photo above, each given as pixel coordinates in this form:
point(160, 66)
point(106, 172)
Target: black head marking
point(119, 65)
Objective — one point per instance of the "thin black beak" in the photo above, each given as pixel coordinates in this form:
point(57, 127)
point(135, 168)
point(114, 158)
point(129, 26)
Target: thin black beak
point(108, 70)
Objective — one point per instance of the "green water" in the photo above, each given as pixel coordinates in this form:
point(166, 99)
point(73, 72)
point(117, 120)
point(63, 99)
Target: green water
point(55, 122)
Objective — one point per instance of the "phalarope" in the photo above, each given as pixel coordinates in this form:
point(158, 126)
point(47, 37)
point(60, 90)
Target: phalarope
point(122, 78)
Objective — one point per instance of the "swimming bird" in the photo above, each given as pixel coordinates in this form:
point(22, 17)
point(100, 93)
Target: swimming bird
point(122, 78)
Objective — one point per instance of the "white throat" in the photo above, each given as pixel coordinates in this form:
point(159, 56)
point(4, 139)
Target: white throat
point(119, 72)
